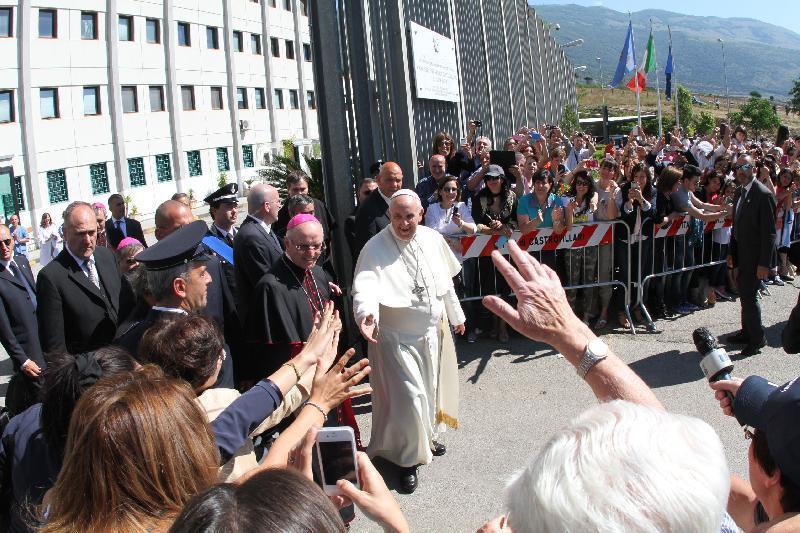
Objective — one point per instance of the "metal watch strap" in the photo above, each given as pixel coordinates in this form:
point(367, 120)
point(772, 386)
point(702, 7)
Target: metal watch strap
point(589, 359)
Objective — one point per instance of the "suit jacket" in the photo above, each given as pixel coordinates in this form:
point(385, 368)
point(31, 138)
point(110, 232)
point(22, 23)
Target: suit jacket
point(254, 251)
point(19, 331)
point(753, 232)
point(73, 314)
point(371, 218)
point(227, 268)
point(132, 227)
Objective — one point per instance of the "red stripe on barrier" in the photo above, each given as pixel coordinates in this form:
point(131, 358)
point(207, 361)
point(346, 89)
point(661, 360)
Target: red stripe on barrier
point(491, 245)
point(553, 240)
point(526, 240)
point(466, 243)
point(608, 237)
point(583, 237)
point(676, 225)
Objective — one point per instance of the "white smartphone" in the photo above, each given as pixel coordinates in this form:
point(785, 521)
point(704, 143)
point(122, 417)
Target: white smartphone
point(336, 452)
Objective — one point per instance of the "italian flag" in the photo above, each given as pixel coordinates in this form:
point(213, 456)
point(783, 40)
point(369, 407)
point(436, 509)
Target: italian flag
point(648, 63)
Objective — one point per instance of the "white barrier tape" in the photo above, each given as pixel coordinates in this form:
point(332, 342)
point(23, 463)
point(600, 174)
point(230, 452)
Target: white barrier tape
point(578, 236)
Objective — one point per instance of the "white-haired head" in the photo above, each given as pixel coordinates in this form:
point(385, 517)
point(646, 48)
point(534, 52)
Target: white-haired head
point(621, 466)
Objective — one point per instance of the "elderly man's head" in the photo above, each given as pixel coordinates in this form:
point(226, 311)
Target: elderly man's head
point(264, 202)
point(171, 216)
point(438, 166)
point(622, 466)
point(304, 242)
point(405, 214)
point(80, 229)
point(6, 243)
point(390, 178)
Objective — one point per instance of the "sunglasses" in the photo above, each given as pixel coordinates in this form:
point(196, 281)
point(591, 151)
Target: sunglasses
point(582, 183)
point(492, 178)
point(743, 165)
point(7, 242)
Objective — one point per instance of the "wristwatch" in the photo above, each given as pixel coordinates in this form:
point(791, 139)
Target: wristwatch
point(596, 351)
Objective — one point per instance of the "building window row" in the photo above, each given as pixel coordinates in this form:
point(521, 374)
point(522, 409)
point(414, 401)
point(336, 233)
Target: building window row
point(287, 5)
point(275, 49)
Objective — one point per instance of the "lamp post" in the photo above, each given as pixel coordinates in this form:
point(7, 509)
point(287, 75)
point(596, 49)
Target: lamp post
point(602, 92)
point(581, 68)
point(725, 73)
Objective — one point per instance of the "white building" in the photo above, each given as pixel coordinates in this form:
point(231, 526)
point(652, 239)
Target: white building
point(146, 97)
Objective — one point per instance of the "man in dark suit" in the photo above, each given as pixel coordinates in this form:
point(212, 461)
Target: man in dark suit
point(119, 226)
point(750, 251)
point(223, 205)
point(19, 332)
point(372, 215)
point(79, 291)
point(256, 247)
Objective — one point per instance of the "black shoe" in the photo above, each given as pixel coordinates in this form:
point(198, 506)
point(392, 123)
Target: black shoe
point(408, 480)
point(753, 349)
point(737, 338)
point(438, 449)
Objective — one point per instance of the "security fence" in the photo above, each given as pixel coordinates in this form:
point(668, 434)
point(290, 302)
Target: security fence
point(389, 74)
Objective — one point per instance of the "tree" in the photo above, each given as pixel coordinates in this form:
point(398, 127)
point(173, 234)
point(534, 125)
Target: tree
point(794, 103)
point(588, 80)
point(705, 123)
point(758, 115)
point(685, 108)
point(755, 94)
point(569, 120)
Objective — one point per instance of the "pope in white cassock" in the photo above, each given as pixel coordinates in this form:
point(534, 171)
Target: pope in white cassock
point(404, 303)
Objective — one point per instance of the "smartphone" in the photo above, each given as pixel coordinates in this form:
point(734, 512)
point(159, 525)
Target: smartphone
point(462, 141)
point(635, 185)
point(536, 136)
point(336, 452)
point(668, 138)
point(455, 210)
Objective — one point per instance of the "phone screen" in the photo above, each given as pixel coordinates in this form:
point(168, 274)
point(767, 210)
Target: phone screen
point(337, 461)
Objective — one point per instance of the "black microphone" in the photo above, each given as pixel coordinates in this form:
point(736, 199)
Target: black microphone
point(715, 364)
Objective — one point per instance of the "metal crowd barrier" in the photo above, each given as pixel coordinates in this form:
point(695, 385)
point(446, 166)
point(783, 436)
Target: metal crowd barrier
point(670, 254)
point(608, 268)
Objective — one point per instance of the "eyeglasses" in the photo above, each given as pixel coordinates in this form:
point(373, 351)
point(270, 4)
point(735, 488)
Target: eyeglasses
point(748, 433)
point(309, 247)
point(743, 165)
point(582, 183)
point(7, 242)
point(492, 178)
point(450, 189)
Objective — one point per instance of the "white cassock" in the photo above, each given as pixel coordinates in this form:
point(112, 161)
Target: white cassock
point(414, 375)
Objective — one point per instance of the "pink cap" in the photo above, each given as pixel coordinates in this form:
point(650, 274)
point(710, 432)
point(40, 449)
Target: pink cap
point(127, 241)
point(301, 219)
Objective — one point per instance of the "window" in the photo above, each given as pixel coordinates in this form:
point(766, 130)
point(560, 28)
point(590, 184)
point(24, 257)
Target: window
point(156, 98)
point(57, 186)
point(88, 25)
point(91, 100)
point(294, 101)
point(6, 106)
point(125, 28)
point(247, 155)
point(304, 7)
point(163, 168)
point(130, 103)
point(255, 43)
point(187, 97)
point(222, 160)
point(287, 5)
point(184, 34)
point(307, 52)
point(272, 3)
point(48, 102)
point(216, 98)
point(98, 176)
point(194, 163)
point(241, 98)
point(136, 172)
point(275, 46)
point(261, 102)
point(6, 22)
point(311, 102)
point(289, 49)
point(212, 38)
point(48, 24)
point(153, 30)
point(278, 99)
point(238, 41)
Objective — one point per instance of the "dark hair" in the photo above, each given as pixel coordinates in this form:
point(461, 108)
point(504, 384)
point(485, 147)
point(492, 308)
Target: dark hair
point(544, 174)
point(590, 190)
point(66, 378)
point(647, 191)
point(298, 200)
point(690, 171)
point(116, 195)
point(186, 347)
point(790, 499)
point(273, 500)
point(667, 179)
point(447, 179)
point(295, 177)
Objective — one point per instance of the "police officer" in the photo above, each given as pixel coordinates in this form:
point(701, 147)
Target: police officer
point(223, 208)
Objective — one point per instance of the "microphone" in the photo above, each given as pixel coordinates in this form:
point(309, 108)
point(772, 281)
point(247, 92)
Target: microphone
point(715, 364)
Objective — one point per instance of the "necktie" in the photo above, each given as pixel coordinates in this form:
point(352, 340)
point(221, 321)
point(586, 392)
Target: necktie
point(120, 228)
point(229, 239)
point(90, 268)
point(18, 274)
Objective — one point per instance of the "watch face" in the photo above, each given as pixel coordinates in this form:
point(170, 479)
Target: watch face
point(598, 348)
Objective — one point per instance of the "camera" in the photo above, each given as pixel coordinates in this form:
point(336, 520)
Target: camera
point(477, 123)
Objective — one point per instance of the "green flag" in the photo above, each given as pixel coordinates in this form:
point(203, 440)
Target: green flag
point(649, 59)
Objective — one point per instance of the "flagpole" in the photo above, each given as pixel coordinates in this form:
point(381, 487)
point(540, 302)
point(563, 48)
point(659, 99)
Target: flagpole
point(674, 82)
point(636, 83)
point(658, 89)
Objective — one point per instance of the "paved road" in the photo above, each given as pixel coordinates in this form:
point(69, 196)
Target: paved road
point(514, 396)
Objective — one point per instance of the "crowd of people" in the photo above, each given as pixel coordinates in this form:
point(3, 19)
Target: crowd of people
point(180, 386)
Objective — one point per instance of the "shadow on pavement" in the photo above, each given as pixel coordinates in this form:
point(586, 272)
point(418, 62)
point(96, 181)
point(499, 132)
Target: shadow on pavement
point(668, 368)
point(486, 348)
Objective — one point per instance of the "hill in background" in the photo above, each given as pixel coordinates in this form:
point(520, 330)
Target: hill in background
point(760, 56)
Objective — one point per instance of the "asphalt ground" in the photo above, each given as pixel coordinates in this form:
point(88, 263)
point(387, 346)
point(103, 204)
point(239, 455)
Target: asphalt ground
point(514, 396)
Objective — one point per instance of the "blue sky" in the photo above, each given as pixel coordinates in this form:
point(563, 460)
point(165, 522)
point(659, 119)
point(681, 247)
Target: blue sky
point(785, 13)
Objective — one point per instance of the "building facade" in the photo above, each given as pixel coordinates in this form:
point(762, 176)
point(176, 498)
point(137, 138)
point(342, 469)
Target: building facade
point(146, 97)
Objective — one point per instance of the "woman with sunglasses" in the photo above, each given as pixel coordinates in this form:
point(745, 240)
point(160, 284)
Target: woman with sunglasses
point(581, 263)
point(607, 209)
point(494, 210)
